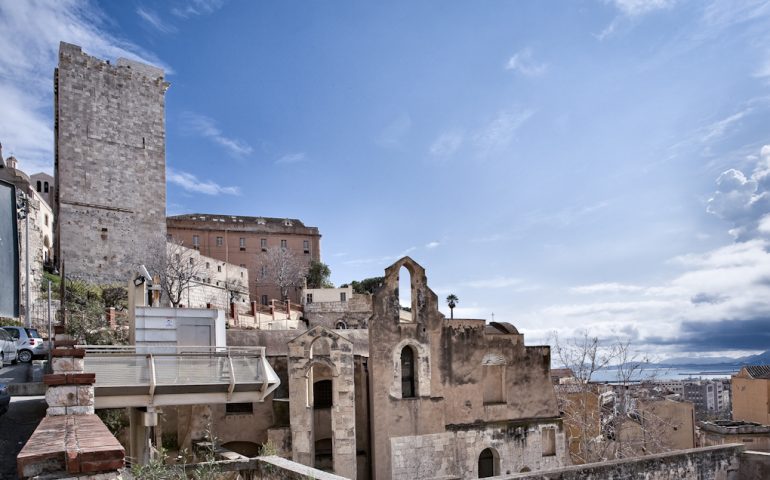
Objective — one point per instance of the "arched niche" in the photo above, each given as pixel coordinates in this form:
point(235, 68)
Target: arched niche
point(421, 369)
point(489, 463)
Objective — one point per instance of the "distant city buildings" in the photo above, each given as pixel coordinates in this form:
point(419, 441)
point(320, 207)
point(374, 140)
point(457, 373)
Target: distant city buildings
point(708, 396)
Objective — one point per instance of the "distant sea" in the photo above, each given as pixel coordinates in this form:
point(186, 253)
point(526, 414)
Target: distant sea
point(704, 372)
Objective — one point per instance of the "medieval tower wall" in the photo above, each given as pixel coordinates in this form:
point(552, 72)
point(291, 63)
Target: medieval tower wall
point(110, 165)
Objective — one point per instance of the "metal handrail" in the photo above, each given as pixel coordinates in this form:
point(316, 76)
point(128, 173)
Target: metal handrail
point(201, 350)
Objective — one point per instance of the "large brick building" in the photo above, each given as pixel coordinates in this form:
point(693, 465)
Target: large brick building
point(110, 165)
point(245, 241)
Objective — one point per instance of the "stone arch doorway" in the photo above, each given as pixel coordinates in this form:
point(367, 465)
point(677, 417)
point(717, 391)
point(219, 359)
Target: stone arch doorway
point(489, 463)
point(320, 368)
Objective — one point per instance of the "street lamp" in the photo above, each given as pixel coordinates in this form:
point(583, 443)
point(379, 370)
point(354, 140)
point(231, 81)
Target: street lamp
point(22, 206)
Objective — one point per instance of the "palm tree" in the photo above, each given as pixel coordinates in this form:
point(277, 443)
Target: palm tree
point(452, 300)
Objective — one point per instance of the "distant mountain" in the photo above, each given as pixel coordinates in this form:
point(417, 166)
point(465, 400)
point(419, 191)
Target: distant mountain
point(697, 360)
point(759, 359)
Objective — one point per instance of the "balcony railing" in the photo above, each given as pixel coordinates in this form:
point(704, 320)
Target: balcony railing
point(178, 375)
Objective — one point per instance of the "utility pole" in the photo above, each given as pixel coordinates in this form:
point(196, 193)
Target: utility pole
point(50, 329)
point(27, 318)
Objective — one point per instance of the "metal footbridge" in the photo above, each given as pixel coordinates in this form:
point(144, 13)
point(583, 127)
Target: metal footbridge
point(140, 376)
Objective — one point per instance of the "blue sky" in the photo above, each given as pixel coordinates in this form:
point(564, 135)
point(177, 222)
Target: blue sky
point(592, 164)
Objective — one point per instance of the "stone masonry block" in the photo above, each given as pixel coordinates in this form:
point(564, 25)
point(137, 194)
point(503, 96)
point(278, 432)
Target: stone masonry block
point(85, 396)
point(80, 410)
point(61, 396)
point(67, 365)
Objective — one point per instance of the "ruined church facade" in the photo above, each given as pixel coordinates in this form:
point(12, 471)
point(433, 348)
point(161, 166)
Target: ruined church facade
point(415, 395)
point(455, 398)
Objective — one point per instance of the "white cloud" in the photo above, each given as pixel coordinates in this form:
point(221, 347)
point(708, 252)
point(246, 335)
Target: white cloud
point(720, 300)
point(197, 7)
point(500, 131)
point(630, 11)
point(290, 158)
point(29, 44)
point(718, 129)
point(633, 8)
point(743, 200)
point(191, 183)
point(446, 144)
point(207, 128)
point(430, 245)
point(523, 63)
point(153, 19)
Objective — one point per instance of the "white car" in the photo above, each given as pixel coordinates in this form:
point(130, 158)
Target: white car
point(29, 343)
point(8, 351)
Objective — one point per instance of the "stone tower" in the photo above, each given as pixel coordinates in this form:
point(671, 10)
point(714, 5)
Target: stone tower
point(110, 165)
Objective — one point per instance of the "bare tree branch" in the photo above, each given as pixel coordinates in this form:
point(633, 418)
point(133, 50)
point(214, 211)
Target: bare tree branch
point(178, 267)
point(284, 269)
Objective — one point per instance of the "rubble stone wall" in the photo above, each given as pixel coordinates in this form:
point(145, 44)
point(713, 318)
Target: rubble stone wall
point(354, 313)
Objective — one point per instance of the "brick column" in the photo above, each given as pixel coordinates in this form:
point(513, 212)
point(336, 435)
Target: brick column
point(111, 318)
point(70, 391)
point(70, 438)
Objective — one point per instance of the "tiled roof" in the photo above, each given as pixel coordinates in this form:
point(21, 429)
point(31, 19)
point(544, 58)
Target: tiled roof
point(758, 371)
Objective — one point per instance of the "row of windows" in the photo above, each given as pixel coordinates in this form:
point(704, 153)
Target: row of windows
point(196, 241)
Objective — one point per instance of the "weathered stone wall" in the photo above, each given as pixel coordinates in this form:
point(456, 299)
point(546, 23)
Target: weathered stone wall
point(353, 313)
point(708, 463)
point(754, 466)
point(110, 165)
point(455, 453)
point(276, 341)
point(320, 348)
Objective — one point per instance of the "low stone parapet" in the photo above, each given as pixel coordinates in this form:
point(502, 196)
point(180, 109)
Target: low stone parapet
point(76, 444)
point(721, 462)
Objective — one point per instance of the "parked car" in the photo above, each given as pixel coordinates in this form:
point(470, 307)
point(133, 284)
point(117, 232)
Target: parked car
point(28, 342)
point(5, 398)
point(8, 349)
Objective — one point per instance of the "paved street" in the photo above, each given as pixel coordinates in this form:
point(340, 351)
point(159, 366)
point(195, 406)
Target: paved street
point(19, 373)
point(22, 417)
point(16, 426)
